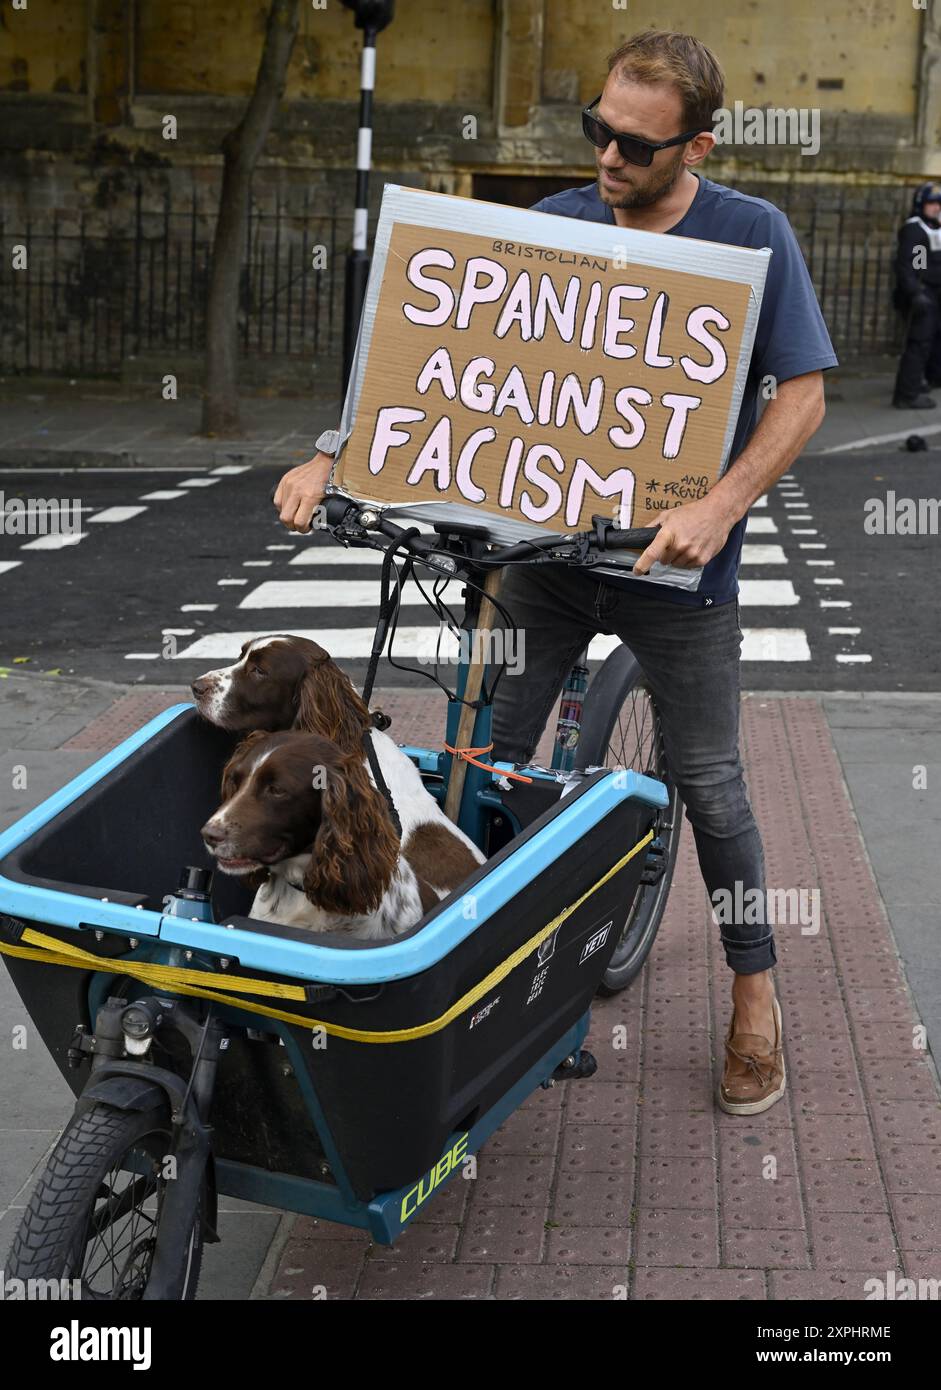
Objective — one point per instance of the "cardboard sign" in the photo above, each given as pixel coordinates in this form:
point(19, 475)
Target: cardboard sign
point(533, 371)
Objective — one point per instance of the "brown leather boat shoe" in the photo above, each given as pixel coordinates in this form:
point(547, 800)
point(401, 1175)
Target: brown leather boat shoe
point(754, 1076)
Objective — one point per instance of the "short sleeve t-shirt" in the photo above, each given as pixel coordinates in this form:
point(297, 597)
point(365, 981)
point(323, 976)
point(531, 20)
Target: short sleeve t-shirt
point(791, 337)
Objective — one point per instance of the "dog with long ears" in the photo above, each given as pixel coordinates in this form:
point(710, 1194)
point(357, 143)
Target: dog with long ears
point(303, 824)
point(284, 683)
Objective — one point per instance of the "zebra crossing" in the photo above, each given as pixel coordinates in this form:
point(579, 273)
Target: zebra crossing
point(316, 582)
point(796, 614)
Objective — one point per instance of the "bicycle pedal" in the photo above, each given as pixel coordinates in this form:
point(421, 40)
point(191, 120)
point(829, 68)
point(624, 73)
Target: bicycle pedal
point(655, 864)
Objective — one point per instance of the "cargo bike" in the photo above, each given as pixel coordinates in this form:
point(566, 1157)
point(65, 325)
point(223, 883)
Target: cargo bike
point(212, 1054)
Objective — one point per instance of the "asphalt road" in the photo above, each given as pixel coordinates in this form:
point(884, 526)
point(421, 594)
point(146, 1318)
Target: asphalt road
point(158, 595)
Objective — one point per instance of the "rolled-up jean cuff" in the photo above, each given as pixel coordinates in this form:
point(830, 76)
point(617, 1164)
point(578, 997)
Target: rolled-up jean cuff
point(750, 957)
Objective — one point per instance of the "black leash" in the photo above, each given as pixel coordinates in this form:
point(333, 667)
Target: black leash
point(388, 602)
point(381, 781)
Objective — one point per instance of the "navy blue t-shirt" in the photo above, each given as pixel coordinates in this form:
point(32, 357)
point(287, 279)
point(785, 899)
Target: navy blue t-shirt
point(791, 337)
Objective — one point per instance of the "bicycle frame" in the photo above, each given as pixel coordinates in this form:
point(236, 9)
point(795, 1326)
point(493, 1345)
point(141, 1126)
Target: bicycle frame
point(568, 723)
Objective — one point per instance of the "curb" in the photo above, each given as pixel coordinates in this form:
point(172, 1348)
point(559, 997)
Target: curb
point(174, 459)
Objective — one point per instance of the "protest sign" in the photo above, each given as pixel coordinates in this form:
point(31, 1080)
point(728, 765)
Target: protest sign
point(530, 371)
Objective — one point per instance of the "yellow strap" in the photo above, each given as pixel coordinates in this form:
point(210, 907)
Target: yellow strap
point(176, 980)
point(165, 976)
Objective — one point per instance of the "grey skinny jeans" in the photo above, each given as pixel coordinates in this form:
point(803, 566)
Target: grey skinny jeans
point(690, 659)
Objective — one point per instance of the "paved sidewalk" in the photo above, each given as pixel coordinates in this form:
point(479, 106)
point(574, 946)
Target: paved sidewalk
point(45, 423)
point(632, 1183)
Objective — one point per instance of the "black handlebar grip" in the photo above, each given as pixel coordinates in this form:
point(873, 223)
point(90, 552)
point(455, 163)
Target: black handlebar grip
point(637, 539)
point(335, 508)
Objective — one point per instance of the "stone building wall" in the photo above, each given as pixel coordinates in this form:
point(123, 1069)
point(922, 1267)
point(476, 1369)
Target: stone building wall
point(475, 97)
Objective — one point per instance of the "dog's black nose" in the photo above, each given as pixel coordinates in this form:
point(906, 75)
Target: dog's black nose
point(212, 836)
point(199, 687)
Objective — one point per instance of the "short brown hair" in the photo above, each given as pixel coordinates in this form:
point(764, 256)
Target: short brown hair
point(657, 55)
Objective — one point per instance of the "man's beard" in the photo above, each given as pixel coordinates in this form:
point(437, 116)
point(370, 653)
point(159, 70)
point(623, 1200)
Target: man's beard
point(650, 193)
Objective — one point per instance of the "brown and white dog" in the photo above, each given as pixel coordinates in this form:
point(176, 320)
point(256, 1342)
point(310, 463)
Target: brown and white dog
point(291, 684)
point(302, 822)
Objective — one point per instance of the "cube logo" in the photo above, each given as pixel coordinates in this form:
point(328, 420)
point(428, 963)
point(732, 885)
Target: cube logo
point(595, 942)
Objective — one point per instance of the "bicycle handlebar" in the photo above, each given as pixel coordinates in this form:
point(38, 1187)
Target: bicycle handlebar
point(605, 536)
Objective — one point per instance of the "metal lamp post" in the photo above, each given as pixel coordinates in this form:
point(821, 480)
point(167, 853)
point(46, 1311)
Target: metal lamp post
point(371, 16)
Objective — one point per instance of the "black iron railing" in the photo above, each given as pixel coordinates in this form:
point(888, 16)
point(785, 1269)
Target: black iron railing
point(93, 296)
point(97, 294)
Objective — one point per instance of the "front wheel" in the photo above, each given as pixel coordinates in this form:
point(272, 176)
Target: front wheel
point(95, 1213)
point(620, 728)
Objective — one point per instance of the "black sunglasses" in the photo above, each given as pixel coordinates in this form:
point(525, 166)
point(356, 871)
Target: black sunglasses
point(630, 147)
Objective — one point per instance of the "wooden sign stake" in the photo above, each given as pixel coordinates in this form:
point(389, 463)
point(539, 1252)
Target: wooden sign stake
point(475, 675)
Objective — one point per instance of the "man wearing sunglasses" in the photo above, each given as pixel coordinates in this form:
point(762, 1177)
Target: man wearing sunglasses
point(650, 127)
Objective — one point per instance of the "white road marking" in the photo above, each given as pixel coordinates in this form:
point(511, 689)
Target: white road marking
point(763, 555)
point(199, 482)
point(198, 607)
point(760, 502)
point(257, 564)
point(51, 507)
point(341, 642)
point(767, 593)
point(98, 470)
point(835, 603)
point(805, 532)
point(844, 631)
point(9, 565)
point(336, 555)
point(819, 562)
point(812, 545)
point(141, 656)
point(828, 581)
point(319, 593)
point(845, 657)
point(760, 644)
point(874, 439)
point(760, 526)
point(223, 582)
point(775, 644)
point(165, 495)
point(229, 469)
point(54, 542)
point(118, 513)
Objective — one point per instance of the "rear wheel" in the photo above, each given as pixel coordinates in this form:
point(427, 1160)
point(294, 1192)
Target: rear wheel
point(620, 728)
point(95, 1212)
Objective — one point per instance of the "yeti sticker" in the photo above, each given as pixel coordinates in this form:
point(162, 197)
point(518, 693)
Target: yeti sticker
point(595, 942)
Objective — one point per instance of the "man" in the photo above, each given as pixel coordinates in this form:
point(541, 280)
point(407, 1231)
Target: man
point(917, 290)
point(650, 128)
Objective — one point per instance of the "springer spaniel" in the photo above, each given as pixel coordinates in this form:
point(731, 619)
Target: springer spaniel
point(287, 682)
point(302, 822)
point(283, 682)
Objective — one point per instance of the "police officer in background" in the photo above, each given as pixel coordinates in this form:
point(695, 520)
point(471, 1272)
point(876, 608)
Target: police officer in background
point(918, 295)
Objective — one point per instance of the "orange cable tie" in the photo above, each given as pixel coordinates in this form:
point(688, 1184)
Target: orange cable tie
point(468, 754)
